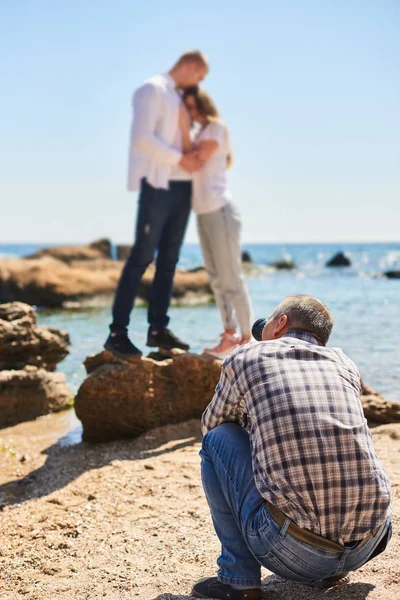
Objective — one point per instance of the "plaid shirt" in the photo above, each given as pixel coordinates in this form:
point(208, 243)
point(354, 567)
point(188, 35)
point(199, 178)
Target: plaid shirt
point(312, 450)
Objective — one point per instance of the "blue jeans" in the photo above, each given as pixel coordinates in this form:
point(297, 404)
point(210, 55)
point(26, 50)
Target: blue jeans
point(249, 536)
point(161, 224)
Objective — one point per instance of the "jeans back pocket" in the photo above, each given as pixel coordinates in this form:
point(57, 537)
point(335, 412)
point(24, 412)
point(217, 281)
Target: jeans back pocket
point(273, 563)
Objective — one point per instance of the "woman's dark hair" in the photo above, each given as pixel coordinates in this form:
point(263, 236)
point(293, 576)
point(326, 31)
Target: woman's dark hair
point(204, 102)
point(206, 107)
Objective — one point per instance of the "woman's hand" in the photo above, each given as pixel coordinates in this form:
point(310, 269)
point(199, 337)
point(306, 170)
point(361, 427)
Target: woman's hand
point(206, 149)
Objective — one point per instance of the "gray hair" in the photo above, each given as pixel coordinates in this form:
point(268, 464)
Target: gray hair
point(307, 313)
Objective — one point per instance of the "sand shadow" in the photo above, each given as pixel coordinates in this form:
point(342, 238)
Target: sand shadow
point(65, 462)
point(276, 588)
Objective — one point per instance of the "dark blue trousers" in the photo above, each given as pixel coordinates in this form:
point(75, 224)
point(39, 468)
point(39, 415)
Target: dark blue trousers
point(160, 227)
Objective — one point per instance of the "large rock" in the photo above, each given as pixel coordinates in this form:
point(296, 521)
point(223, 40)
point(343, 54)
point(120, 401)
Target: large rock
point(379, 410)
point(392, 274)
point(376, 408)
point(123, 251)
point(283, 264)
point(339, 260)
point(53, 283)
point(96, 250)
point(22, 342)
point(124, 399)
point(246, 257)
point(104, 246)
point(30, 393)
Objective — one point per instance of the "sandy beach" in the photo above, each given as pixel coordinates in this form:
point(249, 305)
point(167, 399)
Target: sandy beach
point(129, 519)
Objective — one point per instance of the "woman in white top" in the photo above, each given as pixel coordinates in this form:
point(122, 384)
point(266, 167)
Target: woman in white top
point(218, 221)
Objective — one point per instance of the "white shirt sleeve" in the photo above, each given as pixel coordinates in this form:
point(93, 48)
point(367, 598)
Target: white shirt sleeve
point(214, 131)
point(147, 108)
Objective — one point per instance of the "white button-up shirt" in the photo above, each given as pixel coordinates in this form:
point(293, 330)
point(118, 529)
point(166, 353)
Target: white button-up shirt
point(155, 142)
point(210, 185)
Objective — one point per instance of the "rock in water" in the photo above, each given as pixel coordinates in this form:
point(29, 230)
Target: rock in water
point(246, 257)
point(57, 283)
point(99, 249)
point(30, 393)
point(103, 246)
point(392, 274)
point(124, 399)
point(123, 251)
point(283, 264)
point(339, 260)
point(22, 342)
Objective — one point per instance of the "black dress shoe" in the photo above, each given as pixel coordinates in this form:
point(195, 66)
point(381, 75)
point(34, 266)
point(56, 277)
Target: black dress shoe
point(121, 346)
point(164, 339)
point(210, 587)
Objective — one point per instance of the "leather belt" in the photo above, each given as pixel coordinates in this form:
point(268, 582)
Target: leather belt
point(304, 535)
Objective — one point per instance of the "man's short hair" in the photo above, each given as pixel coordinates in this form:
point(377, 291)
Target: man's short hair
point(307, 313)
point(192, 56)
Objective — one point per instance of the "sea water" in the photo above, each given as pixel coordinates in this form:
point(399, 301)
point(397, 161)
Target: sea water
point(365, 306)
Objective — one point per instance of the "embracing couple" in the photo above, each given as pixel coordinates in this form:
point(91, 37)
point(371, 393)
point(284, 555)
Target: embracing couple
point(179, 155)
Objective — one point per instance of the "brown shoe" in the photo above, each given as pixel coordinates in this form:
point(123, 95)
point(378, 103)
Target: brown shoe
point(210, 587)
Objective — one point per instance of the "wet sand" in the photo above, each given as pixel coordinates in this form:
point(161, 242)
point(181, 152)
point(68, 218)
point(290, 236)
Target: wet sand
point(129, 520)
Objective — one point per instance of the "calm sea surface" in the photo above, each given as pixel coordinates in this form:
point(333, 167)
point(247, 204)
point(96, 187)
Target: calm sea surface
point(366, 308)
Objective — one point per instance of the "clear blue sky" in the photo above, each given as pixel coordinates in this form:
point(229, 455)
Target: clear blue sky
point(310, 90)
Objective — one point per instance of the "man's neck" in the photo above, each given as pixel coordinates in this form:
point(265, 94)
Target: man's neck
point(299, 333)
point(174, 77)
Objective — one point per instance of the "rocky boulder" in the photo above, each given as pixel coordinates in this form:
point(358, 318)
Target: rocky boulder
point(30, 393)
point(104, 246)
point(94, 251)
point(123, 251)
point(376, 408)
point(246, 256)
point(339, 260)
point(392, 274)
point(53, 283)
point(27, 389)
point(23, 342)
point(283, 264)
point(124, 399)
point(379, 410)
point(56, 284)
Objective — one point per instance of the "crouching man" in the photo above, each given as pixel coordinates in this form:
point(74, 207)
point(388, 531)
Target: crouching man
point(288, 465)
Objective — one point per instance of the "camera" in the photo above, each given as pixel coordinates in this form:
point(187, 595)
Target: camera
point(257, 329)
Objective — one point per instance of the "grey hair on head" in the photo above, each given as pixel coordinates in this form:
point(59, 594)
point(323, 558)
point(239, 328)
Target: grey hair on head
point(308, 314)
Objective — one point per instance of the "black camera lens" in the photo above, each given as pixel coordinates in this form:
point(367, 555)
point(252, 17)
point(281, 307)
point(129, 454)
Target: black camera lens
point(257, 329)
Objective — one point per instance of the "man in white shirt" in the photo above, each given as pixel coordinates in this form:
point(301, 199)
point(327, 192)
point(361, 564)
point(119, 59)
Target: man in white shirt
point(162, 173)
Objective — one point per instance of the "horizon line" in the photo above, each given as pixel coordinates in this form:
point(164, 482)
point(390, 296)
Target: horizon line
point(197, 243)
